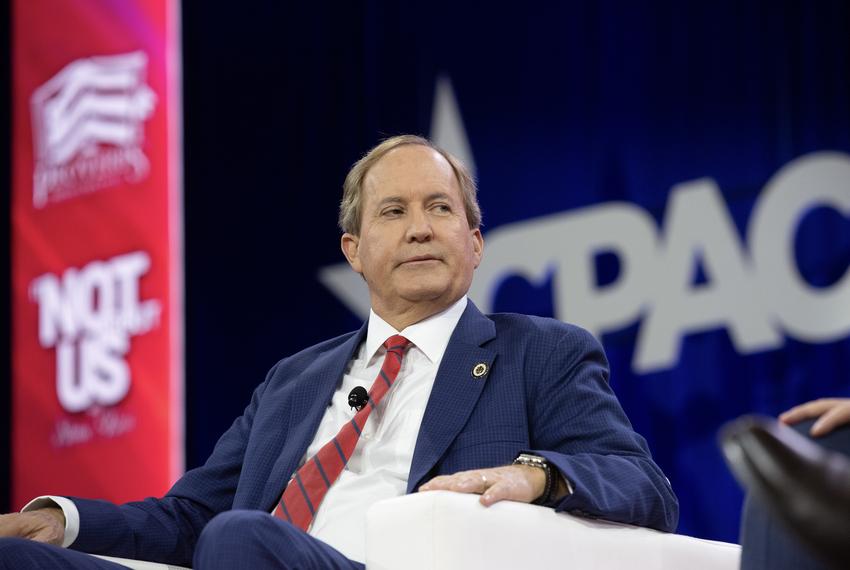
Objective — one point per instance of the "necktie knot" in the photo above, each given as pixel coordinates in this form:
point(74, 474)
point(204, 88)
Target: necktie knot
point(396, 343)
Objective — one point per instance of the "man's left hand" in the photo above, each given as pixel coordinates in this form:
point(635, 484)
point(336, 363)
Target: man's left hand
point(513, 482)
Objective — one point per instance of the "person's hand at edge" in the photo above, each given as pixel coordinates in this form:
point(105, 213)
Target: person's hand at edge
point(831, 413)
point(42, 525)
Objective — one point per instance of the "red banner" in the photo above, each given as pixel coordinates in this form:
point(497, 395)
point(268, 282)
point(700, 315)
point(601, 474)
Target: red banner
point(97, 354)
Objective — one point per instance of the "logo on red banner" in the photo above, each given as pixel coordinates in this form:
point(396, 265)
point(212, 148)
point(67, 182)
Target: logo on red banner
point(88, 315)
point(96, 257)
point(88, 127)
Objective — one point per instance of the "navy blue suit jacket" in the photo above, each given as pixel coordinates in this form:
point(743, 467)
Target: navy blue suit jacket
point(546, 391)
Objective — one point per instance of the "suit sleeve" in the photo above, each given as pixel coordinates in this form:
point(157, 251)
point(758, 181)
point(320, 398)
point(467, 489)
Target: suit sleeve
point(578, 425)
point(167, 529)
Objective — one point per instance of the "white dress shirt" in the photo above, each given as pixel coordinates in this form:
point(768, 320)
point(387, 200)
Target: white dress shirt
point(379, 467)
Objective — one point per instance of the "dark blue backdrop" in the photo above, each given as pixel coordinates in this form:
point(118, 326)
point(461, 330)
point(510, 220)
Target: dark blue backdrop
point(563, 106)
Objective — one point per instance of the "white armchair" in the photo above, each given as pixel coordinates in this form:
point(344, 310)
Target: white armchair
point(439, 530)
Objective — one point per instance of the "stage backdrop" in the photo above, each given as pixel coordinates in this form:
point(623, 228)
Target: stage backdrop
point(673, 176)
point(97, 370)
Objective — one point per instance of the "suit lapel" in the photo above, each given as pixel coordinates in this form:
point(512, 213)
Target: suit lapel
point(310, 402)
point(455, 392)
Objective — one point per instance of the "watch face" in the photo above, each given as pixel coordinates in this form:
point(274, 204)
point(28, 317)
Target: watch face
point(532, 460)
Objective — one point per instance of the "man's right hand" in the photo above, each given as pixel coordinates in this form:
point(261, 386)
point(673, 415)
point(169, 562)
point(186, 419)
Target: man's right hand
point(42, 525)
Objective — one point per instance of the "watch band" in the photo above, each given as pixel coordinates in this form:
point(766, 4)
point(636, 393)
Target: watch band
point(531, 460)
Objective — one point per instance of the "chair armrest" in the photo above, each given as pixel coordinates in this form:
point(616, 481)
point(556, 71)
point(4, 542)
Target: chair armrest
point(440, 530)
point(141, 564)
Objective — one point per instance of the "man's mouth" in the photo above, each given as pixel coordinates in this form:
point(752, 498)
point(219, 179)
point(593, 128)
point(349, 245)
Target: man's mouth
point(419, 259)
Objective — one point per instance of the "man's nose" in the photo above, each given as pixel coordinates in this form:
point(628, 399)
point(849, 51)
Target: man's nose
point(419, 227)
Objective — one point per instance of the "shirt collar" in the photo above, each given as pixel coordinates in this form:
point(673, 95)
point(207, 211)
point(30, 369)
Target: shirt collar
point(431, 335)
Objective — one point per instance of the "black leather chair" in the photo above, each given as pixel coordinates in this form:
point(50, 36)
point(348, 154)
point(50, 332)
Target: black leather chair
point(803, 484)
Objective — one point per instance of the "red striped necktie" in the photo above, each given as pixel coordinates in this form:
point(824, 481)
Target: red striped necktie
point(305, 491)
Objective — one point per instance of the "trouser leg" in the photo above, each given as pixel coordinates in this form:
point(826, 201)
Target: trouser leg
point(253, 539)
point(23, 554)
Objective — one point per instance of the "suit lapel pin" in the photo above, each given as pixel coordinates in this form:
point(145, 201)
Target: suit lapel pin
point(479, 370)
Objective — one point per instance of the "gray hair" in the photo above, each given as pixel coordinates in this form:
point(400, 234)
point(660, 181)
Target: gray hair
point(351, 206)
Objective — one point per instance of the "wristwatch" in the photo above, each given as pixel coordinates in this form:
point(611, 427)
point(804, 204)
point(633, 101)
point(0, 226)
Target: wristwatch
point(531, 460)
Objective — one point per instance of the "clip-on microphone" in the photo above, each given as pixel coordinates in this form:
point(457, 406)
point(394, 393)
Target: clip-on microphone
point(358, 397)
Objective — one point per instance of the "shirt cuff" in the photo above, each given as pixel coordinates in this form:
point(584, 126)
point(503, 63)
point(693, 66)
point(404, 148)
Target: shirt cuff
point(69, 509)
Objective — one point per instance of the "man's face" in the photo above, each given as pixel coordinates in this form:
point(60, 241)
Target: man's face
point(415, 246)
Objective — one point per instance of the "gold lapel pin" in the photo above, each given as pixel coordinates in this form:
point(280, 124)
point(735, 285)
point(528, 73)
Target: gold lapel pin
point(479, 370)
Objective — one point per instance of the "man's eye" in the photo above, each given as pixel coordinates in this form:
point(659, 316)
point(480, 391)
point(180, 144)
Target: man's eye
point(444, 208)
point(392, 212)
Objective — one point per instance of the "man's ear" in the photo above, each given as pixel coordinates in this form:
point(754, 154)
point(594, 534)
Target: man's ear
point(350, 243)
point(477, 246)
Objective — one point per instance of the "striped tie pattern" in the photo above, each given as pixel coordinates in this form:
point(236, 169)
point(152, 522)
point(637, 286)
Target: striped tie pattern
point(305, 491)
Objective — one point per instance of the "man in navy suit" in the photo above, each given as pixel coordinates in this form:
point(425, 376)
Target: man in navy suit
point(506, 406)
